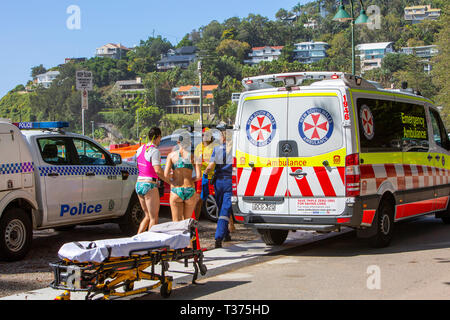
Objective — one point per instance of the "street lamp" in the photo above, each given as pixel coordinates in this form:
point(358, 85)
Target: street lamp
point(343, 16)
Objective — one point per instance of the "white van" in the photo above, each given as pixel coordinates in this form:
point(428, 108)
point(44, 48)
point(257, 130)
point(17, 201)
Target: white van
point(54, 179)
point(338, 152)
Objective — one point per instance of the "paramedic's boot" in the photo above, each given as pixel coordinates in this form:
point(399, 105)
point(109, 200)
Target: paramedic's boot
point(218, 243)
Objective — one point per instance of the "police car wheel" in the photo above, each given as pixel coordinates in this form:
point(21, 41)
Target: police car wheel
point(16, 234)
point(130, 222)
point(210, 209)
point(385, 217)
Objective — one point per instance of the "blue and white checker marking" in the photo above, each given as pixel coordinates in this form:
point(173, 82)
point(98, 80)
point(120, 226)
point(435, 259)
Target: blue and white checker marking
point(82, 170)
point(12, 168)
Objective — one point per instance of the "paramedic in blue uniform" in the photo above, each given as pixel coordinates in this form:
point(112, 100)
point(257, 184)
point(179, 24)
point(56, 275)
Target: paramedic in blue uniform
point(221, 161)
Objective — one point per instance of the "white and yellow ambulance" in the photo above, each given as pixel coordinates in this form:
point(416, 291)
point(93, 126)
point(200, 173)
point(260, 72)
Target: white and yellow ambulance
point(340, 151)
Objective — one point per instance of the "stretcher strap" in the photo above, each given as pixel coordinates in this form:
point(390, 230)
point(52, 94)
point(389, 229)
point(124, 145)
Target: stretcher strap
point(197, 239)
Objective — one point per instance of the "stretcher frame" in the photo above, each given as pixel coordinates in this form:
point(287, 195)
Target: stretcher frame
point(114, 273)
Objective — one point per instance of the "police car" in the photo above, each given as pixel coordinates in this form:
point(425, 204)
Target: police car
point(53, 179)
point(341, 151)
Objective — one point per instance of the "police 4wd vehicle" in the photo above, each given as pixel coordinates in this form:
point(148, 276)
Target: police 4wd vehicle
point(341, 151)
point(53, 179)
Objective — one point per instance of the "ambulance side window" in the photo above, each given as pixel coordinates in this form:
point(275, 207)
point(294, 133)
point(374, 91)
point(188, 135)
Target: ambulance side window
point(440, 135)
point(90, 154)
point(414, 127)
point(54, 151)
point(379, 127)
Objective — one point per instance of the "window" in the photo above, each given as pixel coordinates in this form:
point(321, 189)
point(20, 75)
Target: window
point(389, 126)
point(439, 133)
point(90, 154)
point(54, 150)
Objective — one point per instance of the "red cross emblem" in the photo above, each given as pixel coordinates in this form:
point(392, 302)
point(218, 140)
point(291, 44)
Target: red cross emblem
point(314, 122)
point(367, 122)
point(261, 128)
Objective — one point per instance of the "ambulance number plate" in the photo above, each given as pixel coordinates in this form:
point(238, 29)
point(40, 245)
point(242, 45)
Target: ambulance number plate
point(259, 206)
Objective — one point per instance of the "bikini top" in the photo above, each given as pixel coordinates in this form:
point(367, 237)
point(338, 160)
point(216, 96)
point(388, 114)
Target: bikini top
point(182, 163)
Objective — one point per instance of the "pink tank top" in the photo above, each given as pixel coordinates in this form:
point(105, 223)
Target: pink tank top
point(145, 167)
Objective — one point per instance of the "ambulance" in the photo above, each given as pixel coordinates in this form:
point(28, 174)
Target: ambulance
point(324, 150)
point(50, 178)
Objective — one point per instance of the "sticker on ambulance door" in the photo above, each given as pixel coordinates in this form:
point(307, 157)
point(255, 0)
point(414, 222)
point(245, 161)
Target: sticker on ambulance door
point(315, 126)
point(261, 128)
point(367, 122)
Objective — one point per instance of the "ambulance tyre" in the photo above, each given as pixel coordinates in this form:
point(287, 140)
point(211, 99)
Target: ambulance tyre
point(273, 237)
point(16, 235)
point(129, 223)
point(385, 224)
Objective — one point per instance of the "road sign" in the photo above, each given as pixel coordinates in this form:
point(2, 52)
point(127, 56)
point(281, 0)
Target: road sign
point(84, 80)
point(84, 99)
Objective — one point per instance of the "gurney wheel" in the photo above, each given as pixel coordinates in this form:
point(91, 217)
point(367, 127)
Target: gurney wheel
point(166, 289)
point(128, 286)
point(203, 269)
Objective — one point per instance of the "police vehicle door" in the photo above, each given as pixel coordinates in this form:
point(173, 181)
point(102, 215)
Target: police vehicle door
point(59, 185)
point(102, 180)
point(261, 170)
point(317, 161)
point(440, 146)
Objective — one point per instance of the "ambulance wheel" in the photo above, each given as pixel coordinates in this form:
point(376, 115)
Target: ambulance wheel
point(16, 234)
point(166, 289)
point(273, 237)
point(385, 219)
point(446, 220)
point(129, 223)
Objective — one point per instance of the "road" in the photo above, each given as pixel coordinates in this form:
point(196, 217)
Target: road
point(415, 266)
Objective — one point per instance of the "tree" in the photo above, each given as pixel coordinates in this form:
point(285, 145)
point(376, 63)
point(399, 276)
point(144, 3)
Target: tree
point(233, 48)
point(37, 70)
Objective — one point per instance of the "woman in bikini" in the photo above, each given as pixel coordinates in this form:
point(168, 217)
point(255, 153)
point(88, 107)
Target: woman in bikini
point(149, 164)
point(178, 169)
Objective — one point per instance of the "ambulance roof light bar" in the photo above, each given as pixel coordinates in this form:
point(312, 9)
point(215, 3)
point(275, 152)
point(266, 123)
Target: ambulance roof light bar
point(289, 79)
point(47, 125)
point(297, 78)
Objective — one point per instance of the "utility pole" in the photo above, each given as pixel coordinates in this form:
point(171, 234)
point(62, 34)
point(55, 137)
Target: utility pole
point(201, 91)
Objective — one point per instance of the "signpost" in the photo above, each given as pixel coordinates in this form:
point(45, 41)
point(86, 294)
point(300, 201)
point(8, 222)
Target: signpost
point(83, 84)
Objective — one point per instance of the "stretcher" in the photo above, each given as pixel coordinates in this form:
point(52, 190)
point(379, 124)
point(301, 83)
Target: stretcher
point(107, 268)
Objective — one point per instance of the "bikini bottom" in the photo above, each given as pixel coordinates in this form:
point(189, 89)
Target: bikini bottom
point(183, 192)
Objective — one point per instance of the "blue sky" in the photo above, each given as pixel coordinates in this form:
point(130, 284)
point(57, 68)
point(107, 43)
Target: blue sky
point(35, 32)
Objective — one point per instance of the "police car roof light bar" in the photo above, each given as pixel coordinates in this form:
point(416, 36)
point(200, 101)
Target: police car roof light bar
point(48, 125)
point(290, 79)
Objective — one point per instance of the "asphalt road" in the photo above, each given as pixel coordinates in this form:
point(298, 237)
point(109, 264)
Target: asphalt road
point(415, 266)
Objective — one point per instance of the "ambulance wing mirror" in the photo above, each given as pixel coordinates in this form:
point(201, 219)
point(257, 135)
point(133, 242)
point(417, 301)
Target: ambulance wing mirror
point(117, 158)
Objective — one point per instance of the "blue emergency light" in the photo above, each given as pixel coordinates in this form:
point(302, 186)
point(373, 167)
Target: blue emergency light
point(42, 125)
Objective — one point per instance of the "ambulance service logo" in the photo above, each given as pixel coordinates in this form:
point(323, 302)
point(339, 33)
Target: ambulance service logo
point(367, 122)
point(261, 128)
point(315, 126)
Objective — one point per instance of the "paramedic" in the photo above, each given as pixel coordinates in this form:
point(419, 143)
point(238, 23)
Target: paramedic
point(149, 164)
point(178, 170)
point(221, 161)
point(202, 154)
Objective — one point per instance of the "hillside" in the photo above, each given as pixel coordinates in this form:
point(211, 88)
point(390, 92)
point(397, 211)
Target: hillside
point(223, 47)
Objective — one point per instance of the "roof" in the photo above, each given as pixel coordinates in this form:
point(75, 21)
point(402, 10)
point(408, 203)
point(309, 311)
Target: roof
point(373, 46)
point(272, 47)
point(116, 46)
point(205, 87)
point(178, 58)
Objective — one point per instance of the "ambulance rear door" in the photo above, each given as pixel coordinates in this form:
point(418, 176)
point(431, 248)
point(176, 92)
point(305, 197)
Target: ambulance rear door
point(316, 153)
point(261, 171)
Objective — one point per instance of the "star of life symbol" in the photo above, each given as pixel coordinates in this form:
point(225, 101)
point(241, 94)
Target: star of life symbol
point(315, 126)
point(367, 122)
point(261, 128)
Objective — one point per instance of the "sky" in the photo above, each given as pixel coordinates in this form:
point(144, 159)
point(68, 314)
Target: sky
point(46, 32)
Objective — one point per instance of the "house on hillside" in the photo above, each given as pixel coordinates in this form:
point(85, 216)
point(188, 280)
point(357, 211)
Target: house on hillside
point(112, 50)
point(180, 57)
point(417, 14)
point(266, 53)
point(424, 52)
point(130, 89)
point(45, 79)
point(186, 99)
point(372, 54)
point(309, 52)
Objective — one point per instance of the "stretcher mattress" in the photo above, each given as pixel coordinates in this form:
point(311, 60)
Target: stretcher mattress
point(175, 235)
